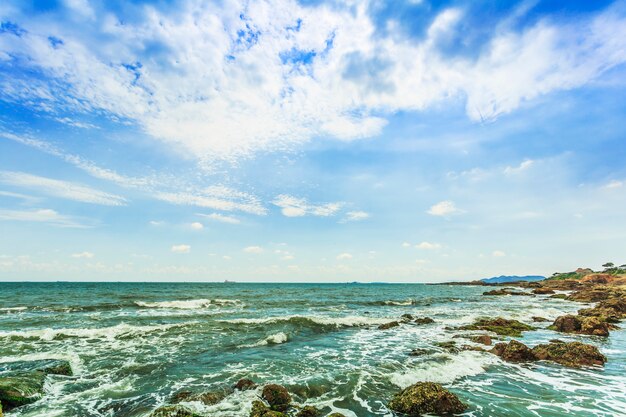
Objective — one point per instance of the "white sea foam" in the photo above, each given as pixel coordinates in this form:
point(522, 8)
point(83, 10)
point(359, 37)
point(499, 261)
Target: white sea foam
point(112, 332)
point(187, 304)
point(407, 302)
point(348, 321)
point(445, 371)
point(273, 339)
point(10, 309)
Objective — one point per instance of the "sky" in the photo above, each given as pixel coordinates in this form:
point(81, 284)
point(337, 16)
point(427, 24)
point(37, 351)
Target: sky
point(334, 141)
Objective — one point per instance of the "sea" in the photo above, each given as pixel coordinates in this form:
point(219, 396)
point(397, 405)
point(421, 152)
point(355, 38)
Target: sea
point(133, 345)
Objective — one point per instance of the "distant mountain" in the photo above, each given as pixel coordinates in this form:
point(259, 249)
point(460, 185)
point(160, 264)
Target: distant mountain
point(512, 278)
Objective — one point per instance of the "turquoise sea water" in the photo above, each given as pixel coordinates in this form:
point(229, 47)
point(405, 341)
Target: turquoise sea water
point(133, 345)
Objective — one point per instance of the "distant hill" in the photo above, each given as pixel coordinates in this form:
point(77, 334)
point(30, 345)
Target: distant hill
point(512, 278)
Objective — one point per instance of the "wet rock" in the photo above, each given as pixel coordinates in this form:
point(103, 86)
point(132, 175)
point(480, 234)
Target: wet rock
point(499, 326)
point(504, 291)
point(474, 348)
point(245, 384)
point(513, 351)
point(542, 291)
point(388, 325)
point(423, 320)
point(173, 411)
point(58, 367)
point(580, 325)
point(21, 389)
point(206, 398)
point(336, 415)
point(426, 398)
point(538, 319)
point(418, 352)
point(308, 411)
point(559, 296)
point(405, 318)
point(261, 410)
point(450, 346)
point(594, 294)
point(483, 339)
point(277, 397)
point(572, 354)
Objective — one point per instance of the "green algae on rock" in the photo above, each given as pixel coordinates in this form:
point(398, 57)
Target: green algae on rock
point(261, 410)
point(206, 398)
point(21, 389)
point(572, 354)
point(308, 411)
point(592, 325)
point(276, 396)
point(426, 398)
point(500, 326)
point(173, 411)
point(513, 351)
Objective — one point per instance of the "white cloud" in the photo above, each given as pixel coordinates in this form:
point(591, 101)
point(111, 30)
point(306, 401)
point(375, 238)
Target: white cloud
point(428, 246)
point(221, 218)
point(614, 184)
point(226, 258)
point(523, 166)
point(41, 215)
point(87, 255)
point(287, 258)
point(253, 249)
point(355, 216)
point(61, 189)
point(181, 248)
point(406, 245)
point(156, 223)
point(443, 208)
point(224, 86)
point(498, 254)
point(344, 256)
point(217, 197)
point(297, 207)
point(196, 226)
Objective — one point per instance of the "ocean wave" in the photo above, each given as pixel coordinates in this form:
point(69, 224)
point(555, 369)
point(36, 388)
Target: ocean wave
point(273, 339)
point(113, 332)
point(187, 304)
point(12, 309)
point(406, 302)
point(445, 369)
point(348, 321)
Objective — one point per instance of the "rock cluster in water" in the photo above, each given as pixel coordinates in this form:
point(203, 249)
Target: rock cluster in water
point(426, 398)
point(572, 354)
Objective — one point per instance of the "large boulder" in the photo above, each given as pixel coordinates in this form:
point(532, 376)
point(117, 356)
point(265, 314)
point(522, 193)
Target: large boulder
point(567, 324)
point(542, 291)
point(483, 339)
point(513, 351)
point(423, 320)
point(426, 398)
point(21, 389)
point(276, 396)
point(570, 354)
point(173, 411)
point(499, 326)
point(388, 325)
point(261, 410)
point(581, 325)
point(308, 411)
point(245, 384)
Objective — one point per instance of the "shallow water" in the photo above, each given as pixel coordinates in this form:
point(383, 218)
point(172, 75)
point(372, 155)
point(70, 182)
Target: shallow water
point(133, 345)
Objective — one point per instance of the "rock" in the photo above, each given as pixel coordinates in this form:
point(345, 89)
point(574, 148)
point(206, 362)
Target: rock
point(245, 384)
point(418, 352)
point(1, 410)
point(559, 296)
point(580, 325)
point(405, 318)
point(46, 366)
point(308, 411)
point(594, 294)
point(206, 398)
point(423, 320)
point(21, 389)
point(58, 367)
point(173, 411)
point(570, 354)
point(474, 348)
point(450, 346)
point(277, 397)
point(336, 415)
point(499, 326)
point(513, 351)
point(388, 325)
point(542, 291)
point(484, 339)
point(426, 398)
point(504, 291)
point(538, 319)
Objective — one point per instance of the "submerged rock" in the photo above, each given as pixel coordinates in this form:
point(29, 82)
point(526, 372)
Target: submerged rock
point(308, 411)
point(484, 339)
point(405, 318)
point(570, 354)
point(426, 398)
point(418, 352)
point(423, 320)
point(277, 397)
point(538, 319)
point(245, 384)
point(173, 411)
point(206, 398)
point(450, 346)
point(388, 325)
point(21, 389)
point(499, 326)
point(513, 351)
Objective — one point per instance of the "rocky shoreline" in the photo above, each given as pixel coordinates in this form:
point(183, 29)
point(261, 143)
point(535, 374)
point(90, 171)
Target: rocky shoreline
point(605, 291)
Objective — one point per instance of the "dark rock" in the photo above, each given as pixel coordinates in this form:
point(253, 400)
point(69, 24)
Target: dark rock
point(504, 291)
point(336, 415)
point(567, 324)
point(543, 291)
point(173, 411)
point(513, 351)
point(570, 354)
point(388, 325)
point(206, 398)
point(418, 352)
point(245, 384)
point(405, 318)
point(21, 389)
point(424, 320)
point(580, 325)
point(277, 397)
point(538, 319)
point(426, 398)
point(484, 339)
point(559, 296)
point(308, 411)
point(499, 326)
point(450, 346)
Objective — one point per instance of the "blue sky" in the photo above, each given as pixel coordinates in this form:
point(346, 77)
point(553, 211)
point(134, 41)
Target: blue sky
point(310, 141)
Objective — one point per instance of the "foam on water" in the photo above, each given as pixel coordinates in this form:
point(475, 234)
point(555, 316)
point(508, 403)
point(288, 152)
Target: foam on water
point(187, 304)
point(112, 332)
